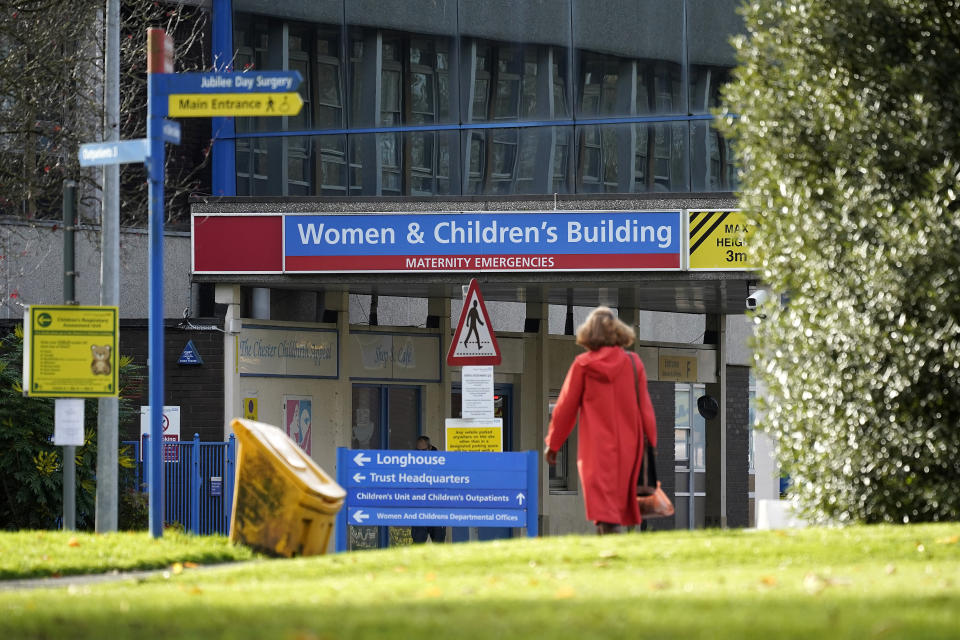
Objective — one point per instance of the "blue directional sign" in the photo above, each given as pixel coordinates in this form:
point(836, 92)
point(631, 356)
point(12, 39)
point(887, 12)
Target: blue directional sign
point(437, 488)
point(120, 152)
point(214, 82)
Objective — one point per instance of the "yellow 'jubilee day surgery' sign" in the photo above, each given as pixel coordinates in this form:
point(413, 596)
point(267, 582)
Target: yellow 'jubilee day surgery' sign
point(70, 351)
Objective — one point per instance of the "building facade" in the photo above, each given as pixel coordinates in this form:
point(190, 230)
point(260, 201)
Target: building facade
point(518, 114)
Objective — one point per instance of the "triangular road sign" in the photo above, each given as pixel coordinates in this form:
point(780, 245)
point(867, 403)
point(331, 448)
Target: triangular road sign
point(473, 341)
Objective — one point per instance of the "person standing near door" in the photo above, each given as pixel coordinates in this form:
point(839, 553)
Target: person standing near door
point(420, 534)
point(599, 387)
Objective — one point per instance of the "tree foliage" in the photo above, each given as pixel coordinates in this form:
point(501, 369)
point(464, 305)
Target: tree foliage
point(847, 115)
point(51, 101)
point(31, 474)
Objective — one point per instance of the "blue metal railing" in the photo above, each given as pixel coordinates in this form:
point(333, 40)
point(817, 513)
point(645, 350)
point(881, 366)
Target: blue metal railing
point(198, 482)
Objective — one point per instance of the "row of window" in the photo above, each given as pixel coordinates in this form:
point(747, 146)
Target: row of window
point(618, 158)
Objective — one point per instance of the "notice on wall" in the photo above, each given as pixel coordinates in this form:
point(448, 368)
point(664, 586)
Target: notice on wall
point(477, 393)
point(171, 431)
point(474, 435)
point(298, 420)
point(678, 368)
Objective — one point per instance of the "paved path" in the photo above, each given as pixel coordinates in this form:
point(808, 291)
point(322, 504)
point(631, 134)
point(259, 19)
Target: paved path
point(98, 578)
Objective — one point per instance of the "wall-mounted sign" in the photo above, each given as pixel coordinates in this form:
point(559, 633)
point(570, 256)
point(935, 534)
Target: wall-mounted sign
point(474, 435)
point(720, 240)
point(287, 352)
point(190, 355)
point(390, 356)
point(70, 351)
point(458, 241)
point(675, 368)
point(298, 420)
point(250, 408)
point(170, 429)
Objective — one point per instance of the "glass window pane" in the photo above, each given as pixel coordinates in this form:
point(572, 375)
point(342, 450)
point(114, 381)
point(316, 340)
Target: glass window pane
point(680, 444)
point(629, 57)
point(366, 429)
point(713, 164)
point(522, 160)
point(403, 409)
point(681, 406)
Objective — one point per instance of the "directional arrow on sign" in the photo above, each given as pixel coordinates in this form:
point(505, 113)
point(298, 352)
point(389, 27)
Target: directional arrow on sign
point(360, 516)
point(360, 459)
point(358, 478)
point(520, 499)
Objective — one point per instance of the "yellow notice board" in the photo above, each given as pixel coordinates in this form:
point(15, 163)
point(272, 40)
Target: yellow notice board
point(720, 240)
point(474, 435)
point(677, 368)
point(70, 351)
point(207, 105)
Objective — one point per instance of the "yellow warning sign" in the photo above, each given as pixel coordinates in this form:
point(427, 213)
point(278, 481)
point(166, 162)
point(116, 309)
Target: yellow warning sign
point(720, 240)
point(474, 435)
point(70, 352)
point(206, 105)
point(250, 409)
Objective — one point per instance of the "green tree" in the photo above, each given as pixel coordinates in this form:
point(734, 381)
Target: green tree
point(31, 477)
point(846, 124)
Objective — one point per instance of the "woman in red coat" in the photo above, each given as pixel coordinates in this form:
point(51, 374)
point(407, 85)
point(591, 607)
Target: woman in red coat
point(600, 387)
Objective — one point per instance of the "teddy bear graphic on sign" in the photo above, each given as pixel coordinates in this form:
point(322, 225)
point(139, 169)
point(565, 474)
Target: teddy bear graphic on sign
point(101, 360)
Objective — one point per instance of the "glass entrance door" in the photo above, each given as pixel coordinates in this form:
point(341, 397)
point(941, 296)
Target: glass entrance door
point(384, 417)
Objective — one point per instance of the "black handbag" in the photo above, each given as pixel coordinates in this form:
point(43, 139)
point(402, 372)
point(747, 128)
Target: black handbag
point(647, 480)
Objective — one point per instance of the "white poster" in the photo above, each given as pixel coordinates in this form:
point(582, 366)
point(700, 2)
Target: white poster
point(68, 422)
point(477, 392)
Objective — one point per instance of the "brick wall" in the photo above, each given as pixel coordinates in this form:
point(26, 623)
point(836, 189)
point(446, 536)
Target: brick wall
point(738, 446)
point(196, 389)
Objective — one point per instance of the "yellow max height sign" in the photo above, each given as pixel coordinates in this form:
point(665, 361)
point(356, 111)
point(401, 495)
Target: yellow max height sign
point(207, 105)
point(70, 351)
point(720, 240)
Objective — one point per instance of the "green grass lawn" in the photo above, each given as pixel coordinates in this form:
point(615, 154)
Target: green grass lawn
point(857, 582)
point(39, 554)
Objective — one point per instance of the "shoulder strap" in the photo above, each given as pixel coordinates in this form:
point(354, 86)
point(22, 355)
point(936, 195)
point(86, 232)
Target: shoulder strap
point(636, 387)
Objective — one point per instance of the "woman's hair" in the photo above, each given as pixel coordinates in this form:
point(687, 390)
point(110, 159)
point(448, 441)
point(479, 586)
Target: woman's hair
point(603, 329)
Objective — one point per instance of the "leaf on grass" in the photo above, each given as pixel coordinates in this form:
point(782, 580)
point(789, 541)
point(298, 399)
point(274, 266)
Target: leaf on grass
point(770, 581)
point(609, 553)
point(432, 592)
point(564, 592)
point(190, 565)
point(890, 569)
point(430, 577)
point(950, 540)
point(659, 585)
point(177, 568)
point(73, 542)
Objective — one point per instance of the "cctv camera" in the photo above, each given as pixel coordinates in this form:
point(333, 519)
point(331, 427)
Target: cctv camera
point(757, 298)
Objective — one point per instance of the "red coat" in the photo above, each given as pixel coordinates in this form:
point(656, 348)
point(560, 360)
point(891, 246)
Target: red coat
point(599, 386)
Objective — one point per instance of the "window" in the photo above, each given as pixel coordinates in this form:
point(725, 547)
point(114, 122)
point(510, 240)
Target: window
point(560, 479)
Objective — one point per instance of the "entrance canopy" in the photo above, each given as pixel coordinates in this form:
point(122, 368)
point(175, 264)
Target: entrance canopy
point(670, 255)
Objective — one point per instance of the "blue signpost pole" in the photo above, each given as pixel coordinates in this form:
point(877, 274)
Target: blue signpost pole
point(156, 214)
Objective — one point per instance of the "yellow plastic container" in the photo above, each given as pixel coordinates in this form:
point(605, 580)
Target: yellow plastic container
point(283, 503)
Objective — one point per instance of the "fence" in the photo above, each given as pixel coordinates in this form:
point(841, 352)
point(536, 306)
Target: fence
point(198, 482)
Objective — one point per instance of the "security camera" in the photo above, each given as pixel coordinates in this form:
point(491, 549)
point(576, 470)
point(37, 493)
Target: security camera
point(757, 298)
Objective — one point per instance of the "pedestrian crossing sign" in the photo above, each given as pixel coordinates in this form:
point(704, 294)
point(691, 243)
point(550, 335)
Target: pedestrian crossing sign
point(473, 341)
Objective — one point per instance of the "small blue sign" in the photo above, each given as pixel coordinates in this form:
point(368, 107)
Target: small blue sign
point(190, 355)
point(213, 82)
point(121, 152)
point(170, 131)
point(216, 485)
point(496, 498)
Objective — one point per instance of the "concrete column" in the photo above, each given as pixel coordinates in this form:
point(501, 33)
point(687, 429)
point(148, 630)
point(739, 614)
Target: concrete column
point(260, 308)
point(341, 413)
point(716, 429)
point(229, 295)
point(440, 308)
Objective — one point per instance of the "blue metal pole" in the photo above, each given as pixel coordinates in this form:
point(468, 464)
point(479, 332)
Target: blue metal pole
point(224, 169)
point(533, 492)
point(340, 538)
point(156, 215)
point(196, 483)
point(230, 479)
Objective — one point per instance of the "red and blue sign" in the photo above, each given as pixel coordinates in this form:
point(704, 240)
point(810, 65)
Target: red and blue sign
point(446, 242)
